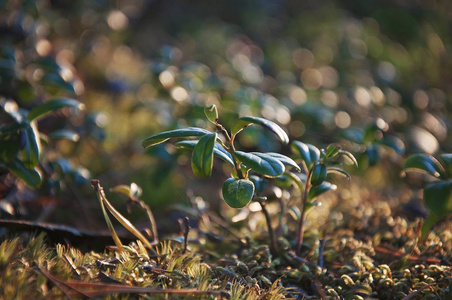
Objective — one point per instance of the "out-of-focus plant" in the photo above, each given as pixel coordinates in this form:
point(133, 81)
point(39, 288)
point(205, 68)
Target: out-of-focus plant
point(317, 164)
point(21, 142)
point(437, 195)
point(368, 142)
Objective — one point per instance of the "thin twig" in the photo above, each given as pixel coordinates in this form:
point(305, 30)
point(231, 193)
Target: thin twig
point(61, 284)
point(273, 246)
point(151, 218)
point(187, 230)
point(321, 250)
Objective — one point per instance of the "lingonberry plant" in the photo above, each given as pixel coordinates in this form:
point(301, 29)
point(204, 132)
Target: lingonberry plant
point(370, 140)
point(243, 185)
point(317, 164)
point(21, 142)
point(437, 195)
point(238, 190)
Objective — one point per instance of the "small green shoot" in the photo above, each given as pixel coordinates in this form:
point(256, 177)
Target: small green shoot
point(437, 194)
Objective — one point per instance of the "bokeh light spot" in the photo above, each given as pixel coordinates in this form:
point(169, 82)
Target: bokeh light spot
point(420, 99)
point(311, 79)
point(297, 95)
point(117, 20)
point(342, 119)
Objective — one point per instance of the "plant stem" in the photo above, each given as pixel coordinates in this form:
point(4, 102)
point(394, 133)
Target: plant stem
point(273, 246)
point(150, 217)
point(231, 150)
point(187, 229)
point(302, 216)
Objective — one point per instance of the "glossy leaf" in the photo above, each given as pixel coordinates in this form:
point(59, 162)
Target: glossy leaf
point(338, 171)
point(211, 113)
point(65, 134)
point(31, 177)
point(331, 151)
point(429, 222)
point(32, 146)
point(394, 143)
point(318, 174)
point(316, 191)
point(353, 135)
point(296, 180)
point(307, 152)
point(13, 128)
point(244, 122)
point(52, 105)
point(237, 193)
point(351, 158)
point(423, 163)
point(373, 155)
point(132, 190)
point(202, 159)
point(438, 197)
point(261, 163)
point(9, 147)
point(218, 150)
point(177, 133)
point(259, 183)
point(284, 159)
point(80, 175)
point(446, 158)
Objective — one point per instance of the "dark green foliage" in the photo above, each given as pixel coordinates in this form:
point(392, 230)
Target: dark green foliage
point(437, 194)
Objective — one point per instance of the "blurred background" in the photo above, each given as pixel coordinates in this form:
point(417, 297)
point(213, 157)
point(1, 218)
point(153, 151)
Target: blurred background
point(372, 76)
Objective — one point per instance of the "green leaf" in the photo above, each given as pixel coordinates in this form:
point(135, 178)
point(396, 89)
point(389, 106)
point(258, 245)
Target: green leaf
point(202, 159)
point(218, 150)
point(338, 171)
point(65, 134)
point(353, 135)
point(438, 198)
point(259, 183)
point(310, 205)
point(211, 113)
point(351, 158)
point(237, 193)
point(177, 133)
point(318, 174)
point(394, 143)
point(429, 222)
point(331, 151)
point(316, 191)
point(122, 189)
point(32, 147)
point(261, 163)
point(423, 163)
point(373, 155)
point(446, 158)
point(132, 190)
point(374, 131)
point(52, 105)
point(13, 128)
point(285, 160)
point(9, 147)
point(244, 122)
point(295, 180)
point(307, 152)
point(31, 177)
